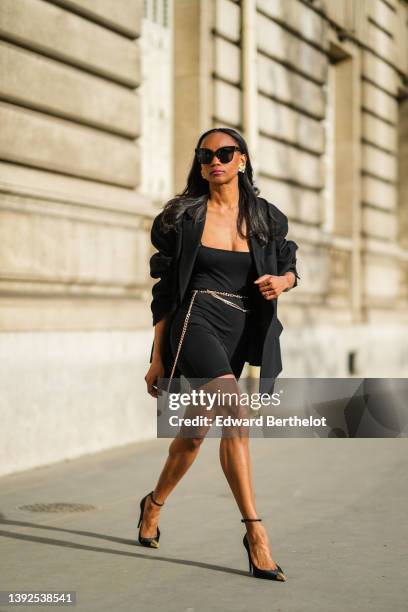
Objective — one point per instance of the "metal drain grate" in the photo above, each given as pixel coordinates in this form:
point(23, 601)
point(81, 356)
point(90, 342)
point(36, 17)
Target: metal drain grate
point(57, 507)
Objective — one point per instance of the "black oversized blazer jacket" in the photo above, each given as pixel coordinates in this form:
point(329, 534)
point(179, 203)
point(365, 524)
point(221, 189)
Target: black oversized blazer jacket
point(173, 264)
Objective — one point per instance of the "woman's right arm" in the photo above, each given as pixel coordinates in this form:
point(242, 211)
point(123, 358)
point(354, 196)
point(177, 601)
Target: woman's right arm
point(156, 369)
point(162, 266)
point(158, 339)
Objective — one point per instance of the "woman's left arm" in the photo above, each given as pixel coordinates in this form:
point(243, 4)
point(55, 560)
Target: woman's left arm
point(286, 254)
point(272, 285)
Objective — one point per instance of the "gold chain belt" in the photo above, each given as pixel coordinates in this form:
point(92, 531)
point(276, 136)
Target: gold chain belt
point(216, 294)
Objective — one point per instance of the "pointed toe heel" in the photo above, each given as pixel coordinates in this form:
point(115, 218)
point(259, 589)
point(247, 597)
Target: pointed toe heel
point(152, 542)
point(267, 574)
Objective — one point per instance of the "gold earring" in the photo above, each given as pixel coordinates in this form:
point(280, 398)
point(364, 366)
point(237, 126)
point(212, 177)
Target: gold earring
point(241, 168)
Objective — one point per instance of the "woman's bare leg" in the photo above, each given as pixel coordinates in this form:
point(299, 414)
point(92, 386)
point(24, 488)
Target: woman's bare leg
point(182, 453)
point(237, 467)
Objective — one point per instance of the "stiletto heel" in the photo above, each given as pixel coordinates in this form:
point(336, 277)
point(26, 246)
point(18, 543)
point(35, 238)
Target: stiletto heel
point(152, 542)
point(268, 574)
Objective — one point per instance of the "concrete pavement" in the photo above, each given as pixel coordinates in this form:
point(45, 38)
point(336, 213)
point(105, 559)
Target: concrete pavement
point(335, 510)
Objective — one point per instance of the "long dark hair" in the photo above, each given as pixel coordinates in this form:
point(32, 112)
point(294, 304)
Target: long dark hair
point(197, 191)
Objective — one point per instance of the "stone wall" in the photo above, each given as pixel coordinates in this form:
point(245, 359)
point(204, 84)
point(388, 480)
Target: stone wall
point(73, 224)
point(75, 323)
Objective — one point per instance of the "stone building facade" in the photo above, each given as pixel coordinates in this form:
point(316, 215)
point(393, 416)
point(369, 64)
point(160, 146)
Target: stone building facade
point(101, 105)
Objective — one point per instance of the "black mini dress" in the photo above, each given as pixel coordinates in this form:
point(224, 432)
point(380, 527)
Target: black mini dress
point(217, 334)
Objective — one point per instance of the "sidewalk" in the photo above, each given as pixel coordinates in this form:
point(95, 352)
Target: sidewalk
point(335, 511)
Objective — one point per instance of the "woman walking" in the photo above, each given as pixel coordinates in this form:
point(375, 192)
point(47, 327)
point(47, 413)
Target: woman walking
point(209, 311)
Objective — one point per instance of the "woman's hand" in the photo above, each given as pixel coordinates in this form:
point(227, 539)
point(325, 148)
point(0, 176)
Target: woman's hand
point(272, 286)
point(156, 371)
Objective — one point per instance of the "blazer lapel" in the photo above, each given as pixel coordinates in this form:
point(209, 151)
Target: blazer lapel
point(191, 237)
point(257, 252)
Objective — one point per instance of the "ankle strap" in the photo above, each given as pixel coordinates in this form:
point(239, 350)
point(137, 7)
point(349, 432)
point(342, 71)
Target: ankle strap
point(245, 520)
point(154, 501)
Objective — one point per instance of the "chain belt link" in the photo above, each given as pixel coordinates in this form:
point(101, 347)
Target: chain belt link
point(214, 293)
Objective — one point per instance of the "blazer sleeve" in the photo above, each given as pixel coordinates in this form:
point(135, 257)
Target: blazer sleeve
point(162, 266)
point(286, 251)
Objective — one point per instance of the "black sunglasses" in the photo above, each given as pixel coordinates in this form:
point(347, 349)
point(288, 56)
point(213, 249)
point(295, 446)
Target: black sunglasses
point(224, 154)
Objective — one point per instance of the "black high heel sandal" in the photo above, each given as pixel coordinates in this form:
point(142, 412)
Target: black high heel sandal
point(152, 542)
point(268, 574)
